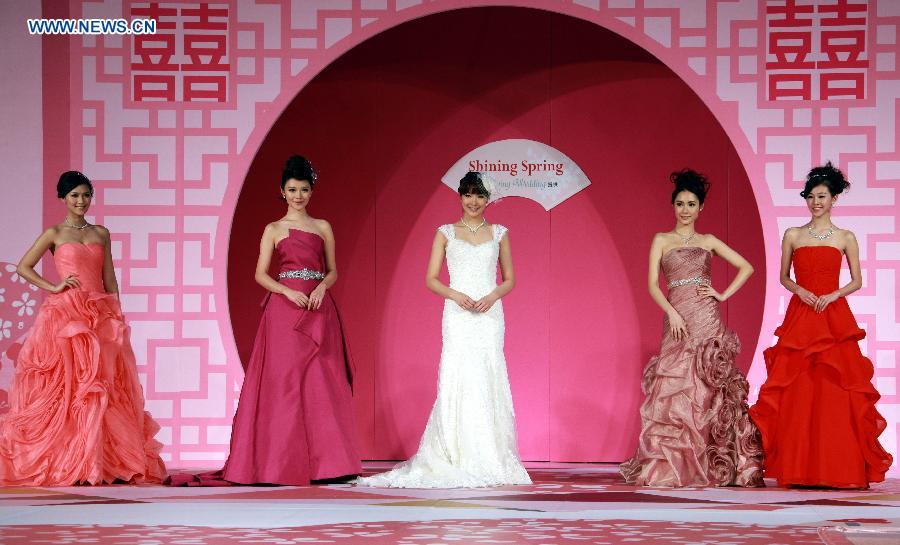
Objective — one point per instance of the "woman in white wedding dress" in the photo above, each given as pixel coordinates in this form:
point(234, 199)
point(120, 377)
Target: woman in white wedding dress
point(470, 438)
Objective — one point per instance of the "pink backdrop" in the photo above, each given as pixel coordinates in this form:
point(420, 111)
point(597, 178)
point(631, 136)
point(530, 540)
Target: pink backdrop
point(169, 169)
point(383, 124)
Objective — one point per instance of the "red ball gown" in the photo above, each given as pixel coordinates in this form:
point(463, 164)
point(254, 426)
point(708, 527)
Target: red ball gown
point(816, 410)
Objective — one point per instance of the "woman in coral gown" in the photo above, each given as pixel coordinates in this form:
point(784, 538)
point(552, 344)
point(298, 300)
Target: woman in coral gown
point(816, 410)
point(77, 411)
point(695, 430)
point(294, 422)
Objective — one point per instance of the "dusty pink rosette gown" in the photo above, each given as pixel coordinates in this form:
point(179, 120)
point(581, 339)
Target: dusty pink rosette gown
point(77, 409)
point(695, 430)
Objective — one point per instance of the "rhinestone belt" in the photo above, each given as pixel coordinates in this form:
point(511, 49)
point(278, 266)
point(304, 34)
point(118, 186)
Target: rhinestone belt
point(687, 281)
point(305, 274)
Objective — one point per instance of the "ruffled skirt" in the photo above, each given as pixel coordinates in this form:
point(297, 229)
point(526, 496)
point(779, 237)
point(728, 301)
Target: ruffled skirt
point(816, 410)
point(695, 428)
point(77, 408)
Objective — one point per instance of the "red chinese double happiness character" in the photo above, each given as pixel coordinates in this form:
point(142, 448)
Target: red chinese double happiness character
point(791, 11)
point(842, 10)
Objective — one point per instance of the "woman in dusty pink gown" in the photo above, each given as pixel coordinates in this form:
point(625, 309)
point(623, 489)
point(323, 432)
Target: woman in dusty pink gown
point(77, 409)
point(294, 422)
point(695, 430)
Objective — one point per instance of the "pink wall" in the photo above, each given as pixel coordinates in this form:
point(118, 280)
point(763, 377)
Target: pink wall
point(20, 155)
point(20, 140)
point(386, 120)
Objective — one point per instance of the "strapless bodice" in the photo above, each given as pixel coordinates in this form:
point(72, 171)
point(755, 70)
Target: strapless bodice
point(301, 250)
point(302, 256)
point(687, 265)
point(85, 260)
point(817, 268)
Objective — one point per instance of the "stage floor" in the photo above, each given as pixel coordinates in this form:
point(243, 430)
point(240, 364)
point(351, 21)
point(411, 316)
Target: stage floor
point(572, 504)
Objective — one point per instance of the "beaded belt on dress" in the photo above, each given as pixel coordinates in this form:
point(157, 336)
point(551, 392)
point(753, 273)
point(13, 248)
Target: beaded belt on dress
point(687, 281)
point(304, 273)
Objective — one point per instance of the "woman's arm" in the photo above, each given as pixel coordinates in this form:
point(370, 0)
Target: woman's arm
point(266, 247)
point(851, 251)
point(736, 260)
point(507, 274)
point(677, 327)
point(656, 294)
point(110, 284)
point(432, 280)
point(26, 265)
point(315, 298)
point(787, 251)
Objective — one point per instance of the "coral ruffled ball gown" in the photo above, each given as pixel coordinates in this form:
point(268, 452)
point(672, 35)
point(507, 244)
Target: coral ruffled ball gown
point(77, 408)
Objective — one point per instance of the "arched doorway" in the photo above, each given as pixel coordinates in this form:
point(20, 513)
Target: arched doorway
point(383, 123)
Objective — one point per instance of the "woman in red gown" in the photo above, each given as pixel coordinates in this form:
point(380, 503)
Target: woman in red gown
point(816, 410)
point(77, 414)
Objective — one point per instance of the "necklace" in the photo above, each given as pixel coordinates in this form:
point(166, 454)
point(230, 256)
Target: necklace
point(86, 224)
point(828, 232)
point(684, 239)
point(473, 229)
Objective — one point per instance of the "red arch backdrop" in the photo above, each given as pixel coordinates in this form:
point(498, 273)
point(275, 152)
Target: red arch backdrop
point(385, 121)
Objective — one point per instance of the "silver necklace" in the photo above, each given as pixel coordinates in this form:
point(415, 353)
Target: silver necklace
point(684, 239)
point(828, 232)
point(86, 224)
point(473, 229)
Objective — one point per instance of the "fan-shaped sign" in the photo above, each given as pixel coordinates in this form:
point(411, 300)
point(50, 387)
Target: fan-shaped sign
point(522, 168)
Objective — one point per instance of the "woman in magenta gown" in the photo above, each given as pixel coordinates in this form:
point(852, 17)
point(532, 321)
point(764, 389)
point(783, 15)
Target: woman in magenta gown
point(816, 410)
point(294, 422)
point(695, 430)
point(77, 409)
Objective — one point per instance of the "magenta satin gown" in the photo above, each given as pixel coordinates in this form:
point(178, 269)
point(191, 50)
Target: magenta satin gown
point(294, 421)
point(695, 429)
point(77, 414)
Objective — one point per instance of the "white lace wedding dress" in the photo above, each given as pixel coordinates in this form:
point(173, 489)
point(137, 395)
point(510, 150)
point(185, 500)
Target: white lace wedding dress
point(470, 438)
